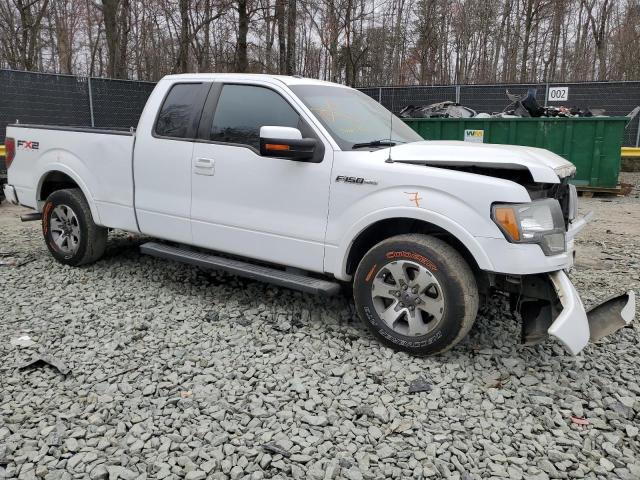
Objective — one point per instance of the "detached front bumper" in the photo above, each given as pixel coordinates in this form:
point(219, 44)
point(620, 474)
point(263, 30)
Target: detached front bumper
point(575, 327)
point(550, 305)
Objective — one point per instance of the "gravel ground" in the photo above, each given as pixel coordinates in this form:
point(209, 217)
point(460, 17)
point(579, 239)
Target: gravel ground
point(176, 372)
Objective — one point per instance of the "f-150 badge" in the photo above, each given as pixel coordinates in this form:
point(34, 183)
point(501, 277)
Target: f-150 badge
point(355, 180)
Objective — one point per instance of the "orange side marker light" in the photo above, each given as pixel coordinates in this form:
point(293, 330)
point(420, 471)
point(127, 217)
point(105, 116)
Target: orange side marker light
point(506, 218)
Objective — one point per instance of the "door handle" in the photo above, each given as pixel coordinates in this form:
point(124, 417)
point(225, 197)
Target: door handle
point(204, 166)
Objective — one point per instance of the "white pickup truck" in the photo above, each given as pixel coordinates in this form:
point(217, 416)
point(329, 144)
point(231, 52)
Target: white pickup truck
point(310, 185)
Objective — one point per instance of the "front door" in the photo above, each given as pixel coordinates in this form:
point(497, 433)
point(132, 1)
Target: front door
point(258, 207)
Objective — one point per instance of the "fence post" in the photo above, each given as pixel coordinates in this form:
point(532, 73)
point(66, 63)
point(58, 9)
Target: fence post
point(638, 133)
point(93, 123)
point(457, 93)
point(546, 93)
point(380, 95)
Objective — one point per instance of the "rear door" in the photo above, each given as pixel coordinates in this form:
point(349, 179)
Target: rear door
point(162, 166)
point(265, 208)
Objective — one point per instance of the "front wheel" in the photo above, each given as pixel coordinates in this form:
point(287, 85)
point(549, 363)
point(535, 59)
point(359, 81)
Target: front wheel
point(69, 230)
point(416, 293)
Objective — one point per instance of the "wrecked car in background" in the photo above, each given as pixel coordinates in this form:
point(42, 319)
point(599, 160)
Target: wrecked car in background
point(438, 110)
point(519, 107)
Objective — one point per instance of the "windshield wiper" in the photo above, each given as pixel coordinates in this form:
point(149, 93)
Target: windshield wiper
point(374, 143)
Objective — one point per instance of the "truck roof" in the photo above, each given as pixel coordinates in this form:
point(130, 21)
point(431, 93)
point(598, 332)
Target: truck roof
point(287, 80)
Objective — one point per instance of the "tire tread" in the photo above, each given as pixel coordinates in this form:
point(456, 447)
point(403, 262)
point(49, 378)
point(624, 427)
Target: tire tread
point(460, 270)
point(96, 235)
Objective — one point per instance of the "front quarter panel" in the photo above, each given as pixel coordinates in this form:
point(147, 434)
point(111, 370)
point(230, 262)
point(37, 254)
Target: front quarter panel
point(456, 201)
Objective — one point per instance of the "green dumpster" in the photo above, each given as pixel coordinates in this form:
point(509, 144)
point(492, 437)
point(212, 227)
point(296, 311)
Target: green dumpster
point(592, 144)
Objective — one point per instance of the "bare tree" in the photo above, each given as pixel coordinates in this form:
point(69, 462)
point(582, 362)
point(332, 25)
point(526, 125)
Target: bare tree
point(282, 39)
point(243, 30)
point(22, 23)
point(116, 28)
point(358, 42)
point(598, 12)
point(291, 37)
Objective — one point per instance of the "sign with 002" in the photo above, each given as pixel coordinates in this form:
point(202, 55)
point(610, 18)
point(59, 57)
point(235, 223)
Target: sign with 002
point(558, 94)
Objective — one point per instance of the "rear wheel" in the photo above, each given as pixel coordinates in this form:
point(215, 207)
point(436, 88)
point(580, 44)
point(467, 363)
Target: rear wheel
point(69, 230)
point(416, 293)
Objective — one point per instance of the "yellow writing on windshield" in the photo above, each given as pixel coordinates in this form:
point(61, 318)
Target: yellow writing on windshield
point(339, 120)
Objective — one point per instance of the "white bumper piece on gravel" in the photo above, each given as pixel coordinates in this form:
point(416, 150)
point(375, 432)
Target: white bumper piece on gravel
point(574, 327)
point(10, 194)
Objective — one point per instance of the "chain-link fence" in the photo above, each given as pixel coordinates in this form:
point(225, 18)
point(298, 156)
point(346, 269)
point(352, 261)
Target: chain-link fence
point(48, 99)
point(396, 98)
point(38, 98)
point(118, 103)
point(80, 101)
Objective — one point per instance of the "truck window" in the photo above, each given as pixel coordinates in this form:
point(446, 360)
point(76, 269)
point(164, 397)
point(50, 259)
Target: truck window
point(352, 117)
point(243, 109)
point(180, 112)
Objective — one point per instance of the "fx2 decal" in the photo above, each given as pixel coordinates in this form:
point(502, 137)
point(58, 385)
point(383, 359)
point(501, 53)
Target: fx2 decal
point(27, 145)
point(355, 180)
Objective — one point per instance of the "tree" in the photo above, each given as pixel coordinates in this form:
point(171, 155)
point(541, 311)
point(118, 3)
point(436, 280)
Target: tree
point(291, 37)
point(282, 39)
point(598, 21)
point(22, 24)
point(243, 31)
point(182, 63)
point(65, 21)
point(116, 28)
point(358, 42)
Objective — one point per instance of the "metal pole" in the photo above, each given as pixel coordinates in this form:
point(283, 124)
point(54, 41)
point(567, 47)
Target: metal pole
point(546, 94)
point(457, 93)
point(638, 133)
point(93, 123)
point(380, 95)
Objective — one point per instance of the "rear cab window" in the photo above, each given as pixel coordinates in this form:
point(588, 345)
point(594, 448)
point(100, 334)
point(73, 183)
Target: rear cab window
point(180, 112)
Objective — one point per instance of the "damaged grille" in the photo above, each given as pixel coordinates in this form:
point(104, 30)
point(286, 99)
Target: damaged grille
point(564, 192)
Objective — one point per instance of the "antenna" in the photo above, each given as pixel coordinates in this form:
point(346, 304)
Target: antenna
point(389, 160)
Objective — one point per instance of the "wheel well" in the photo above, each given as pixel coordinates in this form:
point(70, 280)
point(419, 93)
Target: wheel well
point(55, 181)
point(384, 229)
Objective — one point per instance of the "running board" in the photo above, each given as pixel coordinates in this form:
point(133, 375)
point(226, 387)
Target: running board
point(281, 278)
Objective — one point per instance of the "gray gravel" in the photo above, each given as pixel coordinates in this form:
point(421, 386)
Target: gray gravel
point(181, 373)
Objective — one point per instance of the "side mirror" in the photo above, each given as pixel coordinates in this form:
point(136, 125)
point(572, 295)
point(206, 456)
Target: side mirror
point(286, 142)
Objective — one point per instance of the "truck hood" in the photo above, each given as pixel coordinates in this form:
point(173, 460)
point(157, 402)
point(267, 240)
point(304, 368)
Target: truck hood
point(544, 166)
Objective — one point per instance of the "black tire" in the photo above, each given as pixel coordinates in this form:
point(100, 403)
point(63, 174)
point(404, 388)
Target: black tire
point(451, 287)
point(91, 239)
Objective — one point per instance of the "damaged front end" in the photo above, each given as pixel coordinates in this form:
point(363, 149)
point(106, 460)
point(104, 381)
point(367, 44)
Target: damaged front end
point(550, 305)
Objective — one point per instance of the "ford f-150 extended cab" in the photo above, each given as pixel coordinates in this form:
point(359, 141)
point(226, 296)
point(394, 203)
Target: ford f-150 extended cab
point(311, 185)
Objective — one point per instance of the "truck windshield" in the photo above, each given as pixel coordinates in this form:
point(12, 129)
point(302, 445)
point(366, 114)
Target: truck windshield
point(353, 118)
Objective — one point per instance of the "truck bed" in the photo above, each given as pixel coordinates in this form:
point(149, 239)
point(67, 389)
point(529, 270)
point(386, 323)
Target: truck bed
point(98, 160)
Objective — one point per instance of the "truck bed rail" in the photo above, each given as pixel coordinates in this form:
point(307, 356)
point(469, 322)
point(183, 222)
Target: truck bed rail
point(106, 131)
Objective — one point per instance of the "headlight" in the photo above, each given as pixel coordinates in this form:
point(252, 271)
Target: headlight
point(538, 222)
